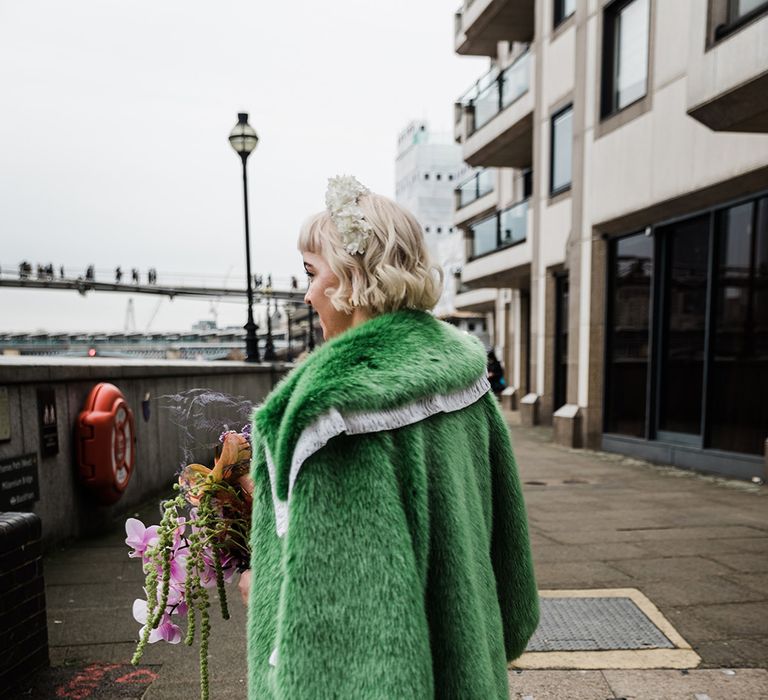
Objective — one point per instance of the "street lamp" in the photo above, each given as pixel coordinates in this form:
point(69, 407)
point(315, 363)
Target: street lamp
point(243, 139)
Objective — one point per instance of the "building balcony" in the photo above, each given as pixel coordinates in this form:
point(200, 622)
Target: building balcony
point(728, 81)
point(481, 24)
point(476, 300)
point(494, 119)
point(475, 197)
point(499, 249)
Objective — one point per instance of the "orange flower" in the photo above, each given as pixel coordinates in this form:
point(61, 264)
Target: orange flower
point(196, 479)
point(234, 452)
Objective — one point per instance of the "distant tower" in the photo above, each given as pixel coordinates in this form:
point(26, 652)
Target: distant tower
point(130, 317)
point(427, 170)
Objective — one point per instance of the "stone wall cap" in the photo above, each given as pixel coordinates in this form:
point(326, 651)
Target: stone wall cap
point(568, 410)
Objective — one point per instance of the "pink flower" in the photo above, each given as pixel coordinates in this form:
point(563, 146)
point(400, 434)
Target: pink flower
point(178, 570)
point(166, 630)
point(208, 574)
point(140, 537)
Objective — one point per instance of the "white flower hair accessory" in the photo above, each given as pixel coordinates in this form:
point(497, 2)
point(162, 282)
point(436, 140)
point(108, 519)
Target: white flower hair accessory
point(341, 200)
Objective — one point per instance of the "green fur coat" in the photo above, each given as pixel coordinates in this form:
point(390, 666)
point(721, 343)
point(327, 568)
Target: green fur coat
point(390, 545)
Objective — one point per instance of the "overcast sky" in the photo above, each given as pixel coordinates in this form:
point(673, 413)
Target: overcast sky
point(114, 124)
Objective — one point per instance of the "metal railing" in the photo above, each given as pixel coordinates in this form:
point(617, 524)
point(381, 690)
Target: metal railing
point(500, 230)
point(478, 185)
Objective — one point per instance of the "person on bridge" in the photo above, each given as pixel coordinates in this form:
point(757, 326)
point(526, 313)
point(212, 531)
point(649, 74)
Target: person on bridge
point(390, 547)
point(118, 274)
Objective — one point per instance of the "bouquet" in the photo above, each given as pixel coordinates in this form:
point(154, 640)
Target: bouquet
point(201, 541)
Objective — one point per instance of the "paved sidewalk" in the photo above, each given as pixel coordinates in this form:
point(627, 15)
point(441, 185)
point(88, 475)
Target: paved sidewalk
point(695, 546)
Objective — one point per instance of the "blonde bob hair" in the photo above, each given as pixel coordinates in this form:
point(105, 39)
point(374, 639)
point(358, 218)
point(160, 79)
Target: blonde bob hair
point(395, 272)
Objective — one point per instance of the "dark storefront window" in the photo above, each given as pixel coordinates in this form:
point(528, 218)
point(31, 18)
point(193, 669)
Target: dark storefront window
point(627, 361)
point(561, 341)
point(681, 361)
point(687, 331)
point(739, 379)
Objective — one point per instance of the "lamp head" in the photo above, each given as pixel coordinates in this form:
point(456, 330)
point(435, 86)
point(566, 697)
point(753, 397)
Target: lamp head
point(243, 137)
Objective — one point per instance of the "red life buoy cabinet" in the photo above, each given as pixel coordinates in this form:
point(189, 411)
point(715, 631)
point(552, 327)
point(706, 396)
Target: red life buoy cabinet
point(106, 443)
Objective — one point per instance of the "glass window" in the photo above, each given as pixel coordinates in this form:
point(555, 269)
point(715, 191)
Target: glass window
point(486, 104)
point(739, 8)
point(527, 183)
point(563, 10)
point(514, 224)
point(562, 143)
point(631, 270)
point(625, 54)
point(681, 379)
point(739, 375)
point(561, 341)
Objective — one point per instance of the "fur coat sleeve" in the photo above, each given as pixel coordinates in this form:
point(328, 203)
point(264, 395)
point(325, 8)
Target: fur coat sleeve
point(394, 561)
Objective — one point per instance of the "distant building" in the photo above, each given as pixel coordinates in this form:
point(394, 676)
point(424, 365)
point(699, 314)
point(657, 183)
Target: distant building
point(622, 244)
point(222, 344)
point(427, 170)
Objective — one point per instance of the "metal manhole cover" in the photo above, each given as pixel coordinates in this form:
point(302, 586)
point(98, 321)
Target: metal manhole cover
point(594, 624)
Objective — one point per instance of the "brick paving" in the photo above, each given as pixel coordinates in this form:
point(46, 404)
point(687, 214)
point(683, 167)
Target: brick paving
point(695, 545)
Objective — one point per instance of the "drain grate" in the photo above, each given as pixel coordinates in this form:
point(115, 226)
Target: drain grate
point(594, 624)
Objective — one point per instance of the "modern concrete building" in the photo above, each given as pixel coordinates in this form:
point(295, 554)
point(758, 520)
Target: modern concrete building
point(427, 169)
point(624, 232)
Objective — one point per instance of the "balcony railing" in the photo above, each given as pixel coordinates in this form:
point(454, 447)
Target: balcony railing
point(479, 185)
point(481, 84)
point(496, 91)
point(500, 230)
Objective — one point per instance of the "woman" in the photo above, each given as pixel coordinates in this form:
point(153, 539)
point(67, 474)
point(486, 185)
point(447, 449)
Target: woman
point(390, 545)
point(495, 373)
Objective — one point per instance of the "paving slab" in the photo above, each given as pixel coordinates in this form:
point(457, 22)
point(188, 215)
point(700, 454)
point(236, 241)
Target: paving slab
point(750, 563)
point(558, 685)
point(694, 545)
point(722, 684)
point(660, 568)
point(736, 653)
point(704, 590)
point(705, 547)
point(547, 553)
point(589, 574)
point(755, 582)
point(712, 622)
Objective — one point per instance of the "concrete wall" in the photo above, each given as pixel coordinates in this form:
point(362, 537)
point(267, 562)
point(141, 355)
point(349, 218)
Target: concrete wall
point(65, 507)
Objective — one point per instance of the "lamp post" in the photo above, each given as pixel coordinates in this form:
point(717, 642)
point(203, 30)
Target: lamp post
point(269, 348)
point(311, 319)
point(288, 307)
point(244, 139)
